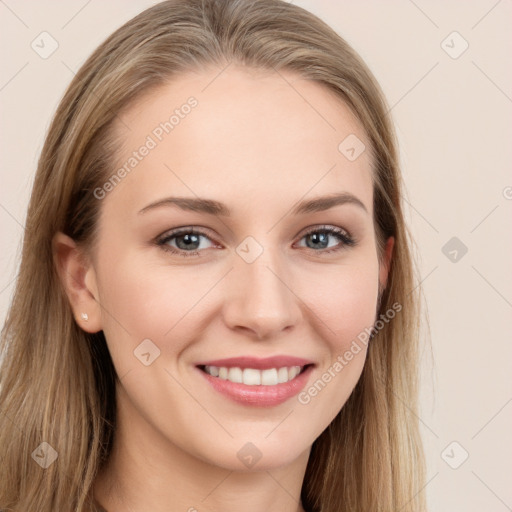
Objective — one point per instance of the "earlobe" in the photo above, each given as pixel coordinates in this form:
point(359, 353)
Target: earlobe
point(78, 278)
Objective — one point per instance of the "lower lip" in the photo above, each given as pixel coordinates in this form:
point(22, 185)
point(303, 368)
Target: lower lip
point(262, 396)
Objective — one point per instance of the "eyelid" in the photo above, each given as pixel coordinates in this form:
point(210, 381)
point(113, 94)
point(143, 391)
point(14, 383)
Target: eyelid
point(198, 230)
point(321, 227)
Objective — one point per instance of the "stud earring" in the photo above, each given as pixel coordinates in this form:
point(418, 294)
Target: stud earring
point(85, 316)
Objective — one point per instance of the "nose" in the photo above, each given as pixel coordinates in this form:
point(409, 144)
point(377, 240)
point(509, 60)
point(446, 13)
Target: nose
point(261, 300)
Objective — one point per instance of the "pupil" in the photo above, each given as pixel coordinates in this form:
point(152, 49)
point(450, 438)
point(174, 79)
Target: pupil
point(320, 238)
point(188, 240)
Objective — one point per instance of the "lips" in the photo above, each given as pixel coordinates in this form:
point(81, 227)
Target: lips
point(255, 381)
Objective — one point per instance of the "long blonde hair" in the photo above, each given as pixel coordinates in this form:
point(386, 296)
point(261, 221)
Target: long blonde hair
point(57, 382)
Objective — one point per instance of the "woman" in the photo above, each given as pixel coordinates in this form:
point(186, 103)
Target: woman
point(215, 307)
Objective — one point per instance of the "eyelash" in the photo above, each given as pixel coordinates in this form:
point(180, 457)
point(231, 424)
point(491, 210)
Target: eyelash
point(342, 235)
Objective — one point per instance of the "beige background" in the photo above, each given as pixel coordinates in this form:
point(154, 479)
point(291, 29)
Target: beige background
point(454, 120)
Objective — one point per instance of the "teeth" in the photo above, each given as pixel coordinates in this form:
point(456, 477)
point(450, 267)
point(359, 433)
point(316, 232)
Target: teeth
point(254, 377)
point(282, 375)
point(269, 377)
point(293, 372)
point(235, 375)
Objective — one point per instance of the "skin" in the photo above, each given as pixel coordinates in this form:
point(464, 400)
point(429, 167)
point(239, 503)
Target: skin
point(258, 142)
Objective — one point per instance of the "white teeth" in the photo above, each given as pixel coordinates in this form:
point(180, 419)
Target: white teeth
point(282, 375)
point(293, 372)
point(254, 377)
point(269, 377)
point(235, 375)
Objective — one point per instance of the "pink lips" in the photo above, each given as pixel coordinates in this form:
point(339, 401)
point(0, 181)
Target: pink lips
point(258, 395)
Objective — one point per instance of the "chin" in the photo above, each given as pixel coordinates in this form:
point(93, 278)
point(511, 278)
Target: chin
point(261, 454)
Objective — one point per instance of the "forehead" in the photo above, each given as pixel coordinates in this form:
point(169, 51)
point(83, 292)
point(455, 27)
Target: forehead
point(267, 135)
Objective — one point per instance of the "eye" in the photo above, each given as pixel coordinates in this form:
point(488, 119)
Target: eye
point(185, 242)
point(189, 241)
point(320, 237)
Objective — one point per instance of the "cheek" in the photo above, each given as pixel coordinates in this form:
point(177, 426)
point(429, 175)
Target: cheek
point(345, 302)
point(345, 299)
point(142, 302)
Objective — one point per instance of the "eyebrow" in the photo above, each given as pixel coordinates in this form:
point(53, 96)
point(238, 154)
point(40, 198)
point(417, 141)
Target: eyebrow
point(213, 207)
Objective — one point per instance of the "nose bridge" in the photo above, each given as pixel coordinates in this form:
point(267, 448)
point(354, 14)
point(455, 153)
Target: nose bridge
point(260, 298)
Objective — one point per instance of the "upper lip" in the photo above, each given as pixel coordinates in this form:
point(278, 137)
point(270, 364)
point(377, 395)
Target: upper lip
point(257, 363)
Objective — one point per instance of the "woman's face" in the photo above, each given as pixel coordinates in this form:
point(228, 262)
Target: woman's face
point(254, 283)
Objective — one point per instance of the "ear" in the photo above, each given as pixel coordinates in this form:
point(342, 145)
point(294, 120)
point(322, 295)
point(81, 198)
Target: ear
point(386, 263)
point(79, 280)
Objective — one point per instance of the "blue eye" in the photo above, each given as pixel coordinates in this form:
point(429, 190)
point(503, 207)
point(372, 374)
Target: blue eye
point(321, 236)
point(188, 241)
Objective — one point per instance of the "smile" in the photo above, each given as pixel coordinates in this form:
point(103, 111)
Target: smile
point(257, 382)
